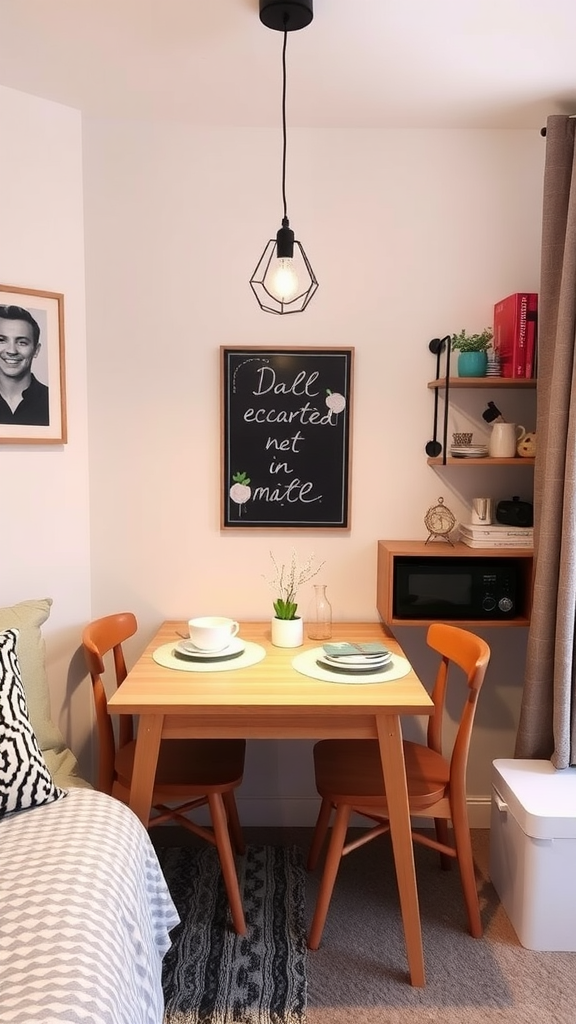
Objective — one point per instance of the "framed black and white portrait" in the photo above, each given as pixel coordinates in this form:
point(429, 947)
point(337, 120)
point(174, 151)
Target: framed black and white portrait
point(32, 377)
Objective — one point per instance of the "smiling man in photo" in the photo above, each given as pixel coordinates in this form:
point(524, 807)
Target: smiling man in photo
point(23, 399)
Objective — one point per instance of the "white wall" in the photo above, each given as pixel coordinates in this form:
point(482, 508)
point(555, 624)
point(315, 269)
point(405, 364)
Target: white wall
point(413, 234)
point(44, 513)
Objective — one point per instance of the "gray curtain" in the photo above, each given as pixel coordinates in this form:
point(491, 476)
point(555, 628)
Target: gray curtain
point(547, 727)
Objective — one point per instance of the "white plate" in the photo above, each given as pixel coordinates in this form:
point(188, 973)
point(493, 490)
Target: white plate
point(359, 660)
point(187, 649)
point(354, 670)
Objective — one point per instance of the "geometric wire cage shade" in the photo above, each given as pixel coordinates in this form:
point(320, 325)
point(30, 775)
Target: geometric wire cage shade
point(283, 281)
point(262, 280)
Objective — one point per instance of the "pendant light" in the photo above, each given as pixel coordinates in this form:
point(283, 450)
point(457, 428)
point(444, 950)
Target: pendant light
point(283, 281)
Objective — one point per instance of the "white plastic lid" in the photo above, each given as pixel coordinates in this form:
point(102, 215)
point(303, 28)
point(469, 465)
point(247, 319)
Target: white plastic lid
point(541, 797)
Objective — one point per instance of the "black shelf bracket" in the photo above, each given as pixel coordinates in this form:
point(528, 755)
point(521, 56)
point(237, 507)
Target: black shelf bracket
point(434, 448)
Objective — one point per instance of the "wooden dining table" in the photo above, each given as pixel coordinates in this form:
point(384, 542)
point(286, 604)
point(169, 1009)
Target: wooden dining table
point(272, 699)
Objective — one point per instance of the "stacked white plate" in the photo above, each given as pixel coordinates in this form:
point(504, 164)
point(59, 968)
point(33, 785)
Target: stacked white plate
point(355, 662)
point(469, 451)
point(186, 649)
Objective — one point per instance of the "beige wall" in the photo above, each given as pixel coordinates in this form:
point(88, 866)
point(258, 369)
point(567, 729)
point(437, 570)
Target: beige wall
point(413, 234)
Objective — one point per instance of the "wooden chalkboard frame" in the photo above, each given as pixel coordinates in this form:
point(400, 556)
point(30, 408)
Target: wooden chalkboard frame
point(286, 437)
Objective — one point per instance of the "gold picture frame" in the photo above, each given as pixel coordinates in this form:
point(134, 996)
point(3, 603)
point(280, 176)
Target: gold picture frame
point(32, 352)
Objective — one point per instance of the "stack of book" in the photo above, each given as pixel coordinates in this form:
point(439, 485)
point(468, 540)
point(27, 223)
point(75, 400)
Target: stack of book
point(496, 536)
point(515, 334)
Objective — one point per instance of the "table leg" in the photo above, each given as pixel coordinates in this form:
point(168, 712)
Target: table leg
point(393, 767)
point(145, 762)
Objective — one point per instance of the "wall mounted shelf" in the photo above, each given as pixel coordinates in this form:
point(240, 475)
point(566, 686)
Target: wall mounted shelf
point(446, 385)
point(390, 550)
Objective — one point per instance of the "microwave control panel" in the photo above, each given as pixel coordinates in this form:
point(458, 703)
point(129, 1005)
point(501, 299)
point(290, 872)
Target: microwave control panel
point(498, 593)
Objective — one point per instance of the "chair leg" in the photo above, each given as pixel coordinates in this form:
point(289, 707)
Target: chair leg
point(463, 846)
point(234, 826)
point(320, 831)
point(223, 845)
point(441, 826)
point(333, 857)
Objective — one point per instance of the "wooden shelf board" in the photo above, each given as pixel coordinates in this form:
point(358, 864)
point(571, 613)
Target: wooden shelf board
point(451, 461)
point(484, 382)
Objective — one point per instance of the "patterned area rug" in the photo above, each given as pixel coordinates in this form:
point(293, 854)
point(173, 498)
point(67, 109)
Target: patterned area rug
point(211, 975)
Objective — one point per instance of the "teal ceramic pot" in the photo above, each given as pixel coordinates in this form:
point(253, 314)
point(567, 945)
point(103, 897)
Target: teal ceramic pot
point(472, 364)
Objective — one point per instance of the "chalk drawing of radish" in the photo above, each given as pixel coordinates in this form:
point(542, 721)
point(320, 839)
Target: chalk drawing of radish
point(240, 492)
point(335, 401)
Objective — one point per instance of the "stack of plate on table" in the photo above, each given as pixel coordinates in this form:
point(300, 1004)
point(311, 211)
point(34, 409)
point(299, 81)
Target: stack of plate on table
point(354, 658)
point(186, 649)
point(469, 451)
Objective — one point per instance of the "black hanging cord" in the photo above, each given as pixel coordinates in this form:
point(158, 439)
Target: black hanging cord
point(286, 16)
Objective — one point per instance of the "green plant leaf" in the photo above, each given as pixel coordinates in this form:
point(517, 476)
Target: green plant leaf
point(285, 609)
point(464, 342)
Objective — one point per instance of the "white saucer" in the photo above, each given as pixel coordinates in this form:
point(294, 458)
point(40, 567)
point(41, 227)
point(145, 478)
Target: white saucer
point(187, 649)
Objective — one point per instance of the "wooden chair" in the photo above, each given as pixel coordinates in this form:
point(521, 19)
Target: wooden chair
point(190, 773)
point(349, 778)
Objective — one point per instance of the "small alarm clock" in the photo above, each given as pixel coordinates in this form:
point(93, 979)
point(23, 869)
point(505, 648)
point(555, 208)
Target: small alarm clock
point(439, 521)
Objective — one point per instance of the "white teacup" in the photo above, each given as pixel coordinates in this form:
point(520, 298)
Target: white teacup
point(212, 632)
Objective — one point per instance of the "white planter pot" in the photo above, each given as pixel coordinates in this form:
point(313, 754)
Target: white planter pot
point(287, 632)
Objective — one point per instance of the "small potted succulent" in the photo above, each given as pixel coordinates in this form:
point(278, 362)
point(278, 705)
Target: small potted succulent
point(287, 627)
point(473, 352)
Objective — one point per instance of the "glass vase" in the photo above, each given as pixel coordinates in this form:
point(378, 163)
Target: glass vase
point(319, 619)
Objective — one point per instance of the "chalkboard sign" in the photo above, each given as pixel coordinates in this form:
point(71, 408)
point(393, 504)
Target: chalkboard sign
point(286, 425)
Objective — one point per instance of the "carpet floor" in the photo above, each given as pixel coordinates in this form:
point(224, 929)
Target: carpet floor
point(212, 975)
point(359, 973)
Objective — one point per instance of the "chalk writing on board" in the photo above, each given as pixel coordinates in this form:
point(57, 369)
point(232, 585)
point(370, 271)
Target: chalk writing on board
point(286, 436)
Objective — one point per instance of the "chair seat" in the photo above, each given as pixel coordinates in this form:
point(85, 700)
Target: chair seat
point(350, 771)
point(187, 767)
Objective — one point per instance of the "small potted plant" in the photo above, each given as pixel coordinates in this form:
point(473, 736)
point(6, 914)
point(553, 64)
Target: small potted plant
point(287, 627)
point(473, 352)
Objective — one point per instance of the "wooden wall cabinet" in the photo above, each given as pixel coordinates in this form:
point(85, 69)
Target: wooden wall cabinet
point(389, 550)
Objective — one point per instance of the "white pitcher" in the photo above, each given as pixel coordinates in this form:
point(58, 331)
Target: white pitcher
point(503, 440)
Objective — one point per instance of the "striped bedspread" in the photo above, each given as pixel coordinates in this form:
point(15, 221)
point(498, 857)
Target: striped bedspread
point(84, 915)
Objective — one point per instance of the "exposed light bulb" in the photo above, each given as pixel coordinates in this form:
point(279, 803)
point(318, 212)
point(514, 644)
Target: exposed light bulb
point(283, 280)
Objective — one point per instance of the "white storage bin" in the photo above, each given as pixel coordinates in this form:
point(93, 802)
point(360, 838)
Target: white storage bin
point(533, 850)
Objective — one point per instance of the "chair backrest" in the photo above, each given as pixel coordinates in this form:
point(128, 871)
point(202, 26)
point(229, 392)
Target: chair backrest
point(99, 638)
point(472, 654)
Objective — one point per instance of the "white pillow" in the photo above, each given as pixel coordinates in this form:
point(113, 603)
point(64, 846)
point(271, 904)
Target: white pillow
point(25, 780)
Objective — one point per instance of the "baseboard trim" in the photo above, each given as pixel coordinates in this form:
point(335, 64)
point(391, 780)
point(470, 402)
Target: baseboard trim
point(302, 813)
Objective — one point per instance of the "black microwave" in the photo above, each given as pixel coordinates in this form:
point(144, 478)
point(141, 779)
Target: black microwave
point(455, 588)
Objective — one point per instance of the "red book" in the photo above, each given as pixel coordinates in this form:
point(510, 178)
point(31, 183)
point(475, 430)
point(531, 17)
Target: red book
point(531, 334)
point(515, 321)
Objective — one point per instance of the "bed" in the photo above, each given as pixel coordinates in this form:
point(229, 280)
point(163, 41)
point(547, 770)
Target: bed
point(85, 912)
point(85, 915)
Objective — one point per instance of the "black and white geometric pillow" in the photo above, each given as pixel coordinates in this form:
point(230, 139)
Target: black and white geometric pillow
point(25, 780)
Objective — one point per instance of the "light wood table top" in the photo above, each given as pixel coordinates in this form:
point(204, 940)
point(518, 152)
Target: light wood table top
point(272, 685)
point(272, 700)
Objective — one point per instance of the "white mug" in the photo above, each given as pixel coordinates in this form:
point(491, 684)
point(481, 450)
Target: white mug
point(212, 632)
point(503, 440)
point(482, 511)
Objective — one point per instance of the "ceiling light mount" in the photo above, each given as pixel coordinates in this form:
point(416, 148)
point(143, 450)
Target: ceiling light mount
point(283, 281)
point(286, 15)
